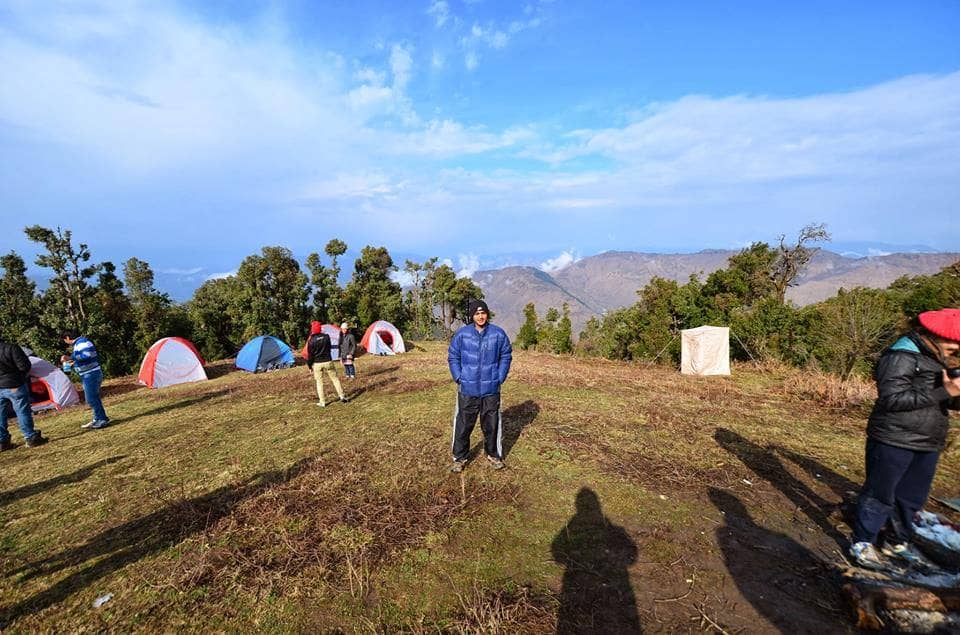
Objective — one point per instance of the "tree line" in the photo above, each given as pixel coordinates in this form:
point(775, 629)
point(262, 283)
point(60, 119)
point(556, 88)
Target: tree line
point(270, 293)
point(844, 334)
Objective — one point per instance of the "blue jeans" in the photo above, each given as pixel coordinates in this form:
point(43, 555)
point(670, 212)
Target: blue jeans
point(897, 485)
point(19, 398)
point(91, 393)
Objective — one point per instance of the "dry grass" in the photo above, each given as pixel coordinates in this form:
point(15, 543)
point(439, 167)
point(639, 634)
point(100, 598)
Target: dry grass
point(237, 505)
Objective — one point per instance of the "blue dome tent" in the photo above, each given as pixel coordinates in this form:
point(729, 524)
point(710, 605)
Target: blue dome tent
point(264, 353)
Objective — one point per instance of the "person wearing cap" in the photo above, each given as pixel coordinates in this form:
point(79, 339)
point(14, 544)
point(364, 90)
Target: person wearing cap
point(348, 348)
point(320, 361)
point(906, 432)
point(479, 358)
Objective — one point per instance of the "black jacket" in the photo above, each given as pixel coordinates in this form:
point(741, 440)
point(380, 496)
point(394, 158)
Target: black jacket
point(911, 407)
point(318, 349)
point(14, 366)
point(348, 345)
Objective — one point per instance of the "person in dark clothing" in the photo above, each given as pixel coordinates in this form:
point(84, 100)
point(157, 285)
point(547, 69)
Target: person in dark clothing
point(479, 358)
point(906, 432)
point(320, 361)
point(15, 389)
point(348, 349)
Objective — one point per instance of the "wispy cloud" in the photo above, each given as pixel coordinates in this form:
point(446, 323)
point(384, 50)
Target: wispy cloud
point(221, 275)
point(440, 11)
point(182, 272)
point(469, 265)
point(565, 259)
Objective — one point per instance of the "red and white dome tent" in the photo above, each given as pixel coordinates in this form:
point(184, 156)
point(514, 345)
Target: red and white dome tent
point(49, 386)
point(171, 361)
point(383, 338)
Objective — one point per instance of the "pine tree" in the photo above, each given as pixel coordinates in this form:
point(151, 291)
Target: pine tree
point(18, 301)
point(563, 335)
point(527, 337)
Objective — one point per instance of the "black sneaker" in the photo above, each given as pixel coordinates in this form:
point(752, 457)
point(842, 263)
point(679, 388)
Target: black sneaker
point(458, 466)
point(99, 424)
point(6, 445)
point(36, 439)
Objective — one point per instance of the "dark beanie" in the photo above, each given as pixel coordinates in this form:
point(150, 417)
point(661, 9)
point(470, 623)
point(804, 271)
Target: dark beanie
point(473, 306)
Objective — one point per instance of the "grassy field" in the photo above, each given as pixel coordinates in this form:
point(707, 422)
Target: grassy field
point(634, 498)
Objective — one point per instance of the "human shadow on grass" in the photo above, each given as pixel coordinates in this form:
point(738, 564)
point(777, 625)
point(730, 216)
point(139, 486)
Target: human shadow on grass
point(596, 596)
point(37, 488)
point(783, 580)
point(367, 386)
point(838, 483)
point(125, 544)
point(765, 464)
point(373, 372)
point(159, 410)
point(514, 420)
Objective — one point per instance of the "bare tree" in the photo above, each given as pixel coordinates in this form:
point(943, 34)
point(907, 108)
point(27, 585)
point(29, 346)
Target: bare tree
point(791, 260)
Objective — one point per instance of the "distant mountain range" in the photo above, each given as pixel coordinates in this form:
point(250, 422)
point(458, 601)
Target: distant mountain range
point(596, 284)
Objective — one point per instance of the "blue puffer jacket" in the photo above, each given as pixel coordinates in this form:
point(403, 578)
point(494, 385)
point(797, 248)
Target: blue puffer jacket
point(480, 361)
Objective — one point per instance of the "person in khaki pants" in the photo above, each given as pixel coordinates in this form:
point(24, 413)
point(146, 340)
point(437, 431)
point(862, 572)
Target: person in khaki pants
point(319, 361)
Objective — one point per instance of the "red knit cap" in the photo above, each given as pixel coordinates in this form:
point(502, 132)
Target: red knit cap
point(315, 327)
point(945, 323)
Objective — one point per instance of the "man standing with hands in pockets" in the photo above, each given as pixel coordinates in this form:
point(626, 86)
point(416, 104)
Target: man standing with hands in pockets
point(479, 358)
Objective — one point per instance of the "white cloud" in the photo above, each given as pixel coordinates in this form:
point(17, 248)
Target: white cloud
point(352, 185)
point(403, 278)
point(565, 259)
point(220, 276)
point(471, 60)
point(469, 265)
point(182, 272)
point(437, 60)
point(401, 64)
point(579, 203)
point(440, 11)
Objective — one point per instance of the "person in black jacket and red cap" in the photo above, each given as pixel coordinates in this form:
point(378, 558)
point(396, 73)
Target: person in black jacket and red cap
point(906, 433)
point(320, 361)
point(15, 389)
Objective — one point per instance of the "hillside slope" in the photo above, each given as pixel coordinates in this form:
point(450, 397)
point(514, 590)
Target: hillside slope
point(633, 497)
point(607, 281)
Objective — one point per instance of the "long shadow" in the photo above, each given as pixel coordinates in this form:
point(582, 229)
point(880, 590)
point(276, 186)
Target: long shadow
point(783, 580)
point(838, 483)
point(514, 419)
point(373, 372)
point(184, 403)
point(767, 466)
point(596, 596)
point(127, 543)
point(37, 488)
point(368, 386)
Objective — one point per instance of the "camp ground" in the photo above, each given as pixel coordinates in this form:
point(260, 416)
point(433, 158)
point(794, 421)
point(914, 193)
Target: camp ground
point(635, 493)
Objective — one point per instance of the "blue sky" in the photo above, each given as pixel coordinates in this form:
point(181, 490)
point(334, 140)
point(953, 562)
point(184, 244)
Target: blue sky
point(192, 134)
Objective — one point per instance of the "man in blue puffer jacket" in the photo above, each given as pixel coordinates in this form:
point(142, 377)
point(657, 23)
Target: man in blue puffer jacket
point(479, 359)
